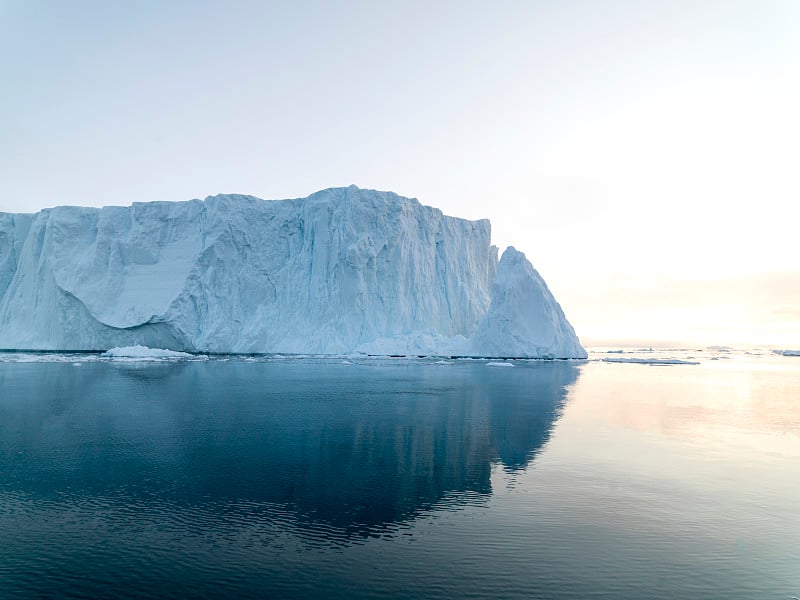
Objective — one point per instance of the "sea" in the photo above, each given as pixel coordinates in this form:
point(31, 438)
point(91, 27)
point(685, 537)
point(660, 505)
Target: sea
point(638, 473)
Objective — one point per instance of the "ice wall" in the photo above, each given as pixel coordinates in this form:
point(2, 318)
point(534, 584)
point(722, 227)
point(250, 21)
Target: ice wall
point(335, 272)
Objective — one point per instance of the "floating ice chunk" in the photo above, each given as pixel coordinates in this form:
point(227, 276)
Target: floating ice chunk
point(651, 361)
point(499, 364)
point(144, 352)
point(787, 352)
point(49, 357)
point(342, 271)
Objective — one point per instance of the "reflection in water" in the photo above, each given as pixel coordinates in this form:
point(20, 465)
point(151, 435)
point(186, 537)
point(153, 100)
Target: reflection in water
point(361, 448)
point(399, 479)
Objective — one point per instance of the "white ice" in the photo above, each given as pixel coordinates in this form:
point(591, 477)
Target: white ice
point(144, 352)
point(343, 271)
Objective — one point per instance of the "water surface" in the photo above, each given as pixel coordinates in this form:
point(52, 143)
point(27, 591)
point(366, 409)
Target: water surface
point(275, 477)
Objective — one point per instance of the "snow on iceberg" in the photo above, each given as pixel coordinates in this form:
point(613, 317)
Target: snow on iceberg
point(144, 352)
point(343, 271)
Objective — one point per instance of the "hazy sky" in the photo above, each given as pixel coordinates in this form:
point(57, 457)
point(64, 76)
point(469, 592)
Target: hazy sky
point(645, 155)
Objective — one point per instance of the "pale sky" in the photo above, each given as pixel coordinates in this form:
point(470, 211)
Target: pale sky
point(645, 155)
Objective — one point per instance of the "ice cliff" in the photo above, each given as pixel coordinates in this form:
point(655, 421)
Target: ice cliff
point(344, 270)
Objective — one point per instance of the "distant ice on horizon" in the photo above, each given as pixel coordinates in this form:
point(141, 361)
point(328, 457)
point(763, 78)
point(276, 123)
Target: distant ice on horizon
point(787, 352)
point(650, 361)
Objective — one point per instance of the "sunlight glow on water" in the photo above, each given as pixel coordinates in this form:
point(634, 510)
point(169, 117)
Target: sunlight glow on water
point(402, 478)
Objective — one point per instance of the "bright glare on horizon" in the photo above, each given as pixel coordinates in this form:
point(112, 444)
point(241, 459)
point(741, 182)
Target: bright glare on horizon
point(644, 155)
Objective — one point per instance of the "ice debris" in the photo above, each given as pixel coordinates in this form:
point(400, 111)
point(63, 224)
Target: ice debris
point(144, 352)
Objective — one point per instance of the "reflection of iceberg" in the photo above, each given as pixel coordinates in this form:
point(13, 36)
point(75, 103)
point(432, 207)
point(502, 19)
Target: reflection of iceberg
point(360, 448)
point(520, 423)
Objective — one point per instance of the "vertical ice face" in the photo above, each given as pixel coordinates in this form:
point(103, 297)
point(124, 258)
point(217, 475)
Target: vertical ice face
point(13, 231)
point(330, 273)
point(524, 319)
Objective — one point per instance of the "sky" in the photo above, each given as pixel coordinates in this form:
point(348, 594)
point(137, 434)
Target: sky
point(645, 155)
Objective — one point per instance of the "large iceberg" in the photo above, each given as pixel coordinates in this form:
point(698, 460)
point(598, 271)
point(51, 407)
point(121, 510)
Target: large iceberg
point(345, 270)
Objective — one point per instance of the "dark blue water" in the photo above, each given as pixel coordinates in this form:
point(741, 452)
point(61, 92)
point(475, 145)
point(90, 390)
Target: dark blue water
point(406, 479)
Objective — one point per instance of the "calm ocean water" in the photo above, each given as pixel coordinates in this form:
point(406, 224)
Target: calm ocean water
point(333, 478)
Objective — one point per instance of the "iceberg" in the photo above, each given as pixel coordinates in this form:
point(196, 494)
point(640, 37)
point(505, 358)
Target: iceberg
point(343, 271)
